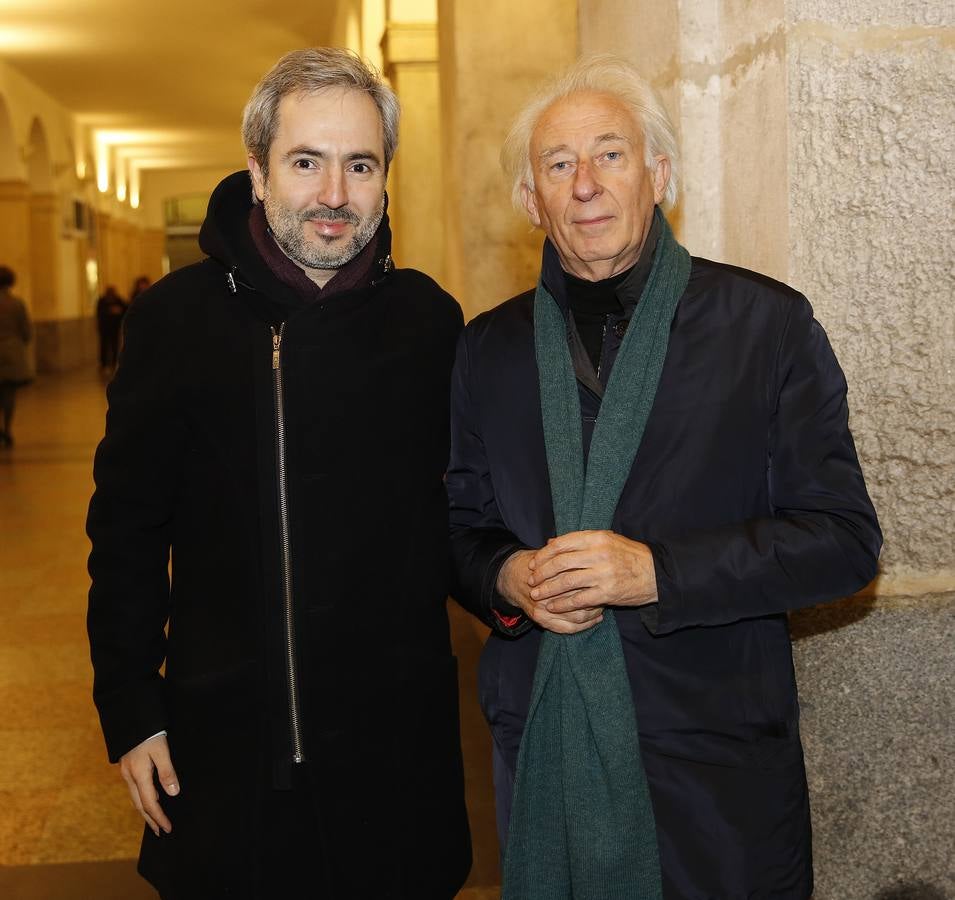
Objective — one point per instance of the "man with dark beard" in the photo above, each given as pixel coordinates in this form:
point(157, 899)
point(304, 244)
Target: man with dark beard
point(279, 425)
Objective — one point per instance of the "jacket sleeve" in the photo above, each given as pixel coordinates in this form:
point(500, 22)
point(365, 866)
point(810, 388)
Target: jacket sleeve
point(130, 524)
point(480, 541)
point(822, 539)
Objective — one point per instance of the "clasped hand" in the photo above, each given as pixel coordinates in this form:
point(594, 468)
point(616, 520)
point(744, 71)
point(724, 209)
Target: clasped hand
point(566, 584)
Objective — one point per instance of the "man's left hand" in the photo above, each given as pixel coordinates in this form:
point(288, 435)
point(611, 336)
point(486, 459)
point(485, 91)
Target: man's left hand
point(587, 569)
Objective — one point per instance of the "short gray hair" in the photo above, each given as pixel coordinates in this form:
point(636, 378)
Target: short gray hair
point(602, 74)
point(306, 72)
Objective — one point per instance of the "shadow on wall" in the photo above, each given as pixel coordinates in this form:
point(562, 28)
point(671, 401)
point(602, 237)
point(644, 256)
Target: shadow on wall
point(816, 620)
point(917, 890)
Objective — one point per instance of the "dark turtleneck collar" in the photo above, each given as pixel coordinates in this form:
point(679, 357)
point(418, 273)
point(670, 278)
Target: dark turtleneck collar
point(590, 305)
point(356, 273)
point(619, 293)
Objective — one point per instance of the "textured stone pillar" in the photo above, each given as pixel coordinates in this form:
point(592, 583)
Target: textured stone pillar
point(872, 231)
point(410, 51)
point(53, 353)
point(871, 236)
point(493, 55)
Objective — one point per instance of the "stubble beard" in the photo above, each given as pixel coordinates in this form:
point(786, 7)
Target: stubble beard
point(288, 228)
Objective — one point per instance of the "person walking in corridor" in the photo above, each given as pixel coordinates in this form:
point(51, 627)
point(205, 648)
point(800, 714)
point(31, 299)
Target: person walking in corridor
point(279, 426)
point(651, 463)
point(110, 309)
point(16, 368)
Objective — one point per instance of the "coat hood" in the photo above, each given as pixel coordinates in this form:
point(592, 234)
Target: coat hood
point(226, 238)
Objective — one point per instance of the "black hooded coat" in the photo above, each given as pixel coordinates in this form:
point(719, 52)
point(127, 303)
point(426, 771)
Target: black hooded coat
point(202, 429)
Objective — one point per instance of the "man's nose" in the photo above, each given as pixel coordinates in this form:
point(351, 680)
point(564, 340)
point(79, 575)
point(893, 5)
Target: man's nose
point(586, 184)
point(333, 191)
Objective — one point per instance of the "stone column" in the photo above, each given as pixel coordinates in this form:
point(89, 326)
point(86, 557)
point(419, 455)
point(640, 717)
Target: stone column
point(493, 55)
point(871, 236)
point(53, 345)
point(410, 51)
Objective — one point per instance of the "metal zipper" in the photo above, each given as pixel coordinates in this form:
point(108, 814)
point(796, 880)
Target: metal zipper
point(603, 337)
point(298, 754)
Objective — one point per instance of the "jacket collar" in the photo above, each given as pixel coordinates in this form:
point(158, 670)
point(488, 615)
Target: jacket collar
point(227, 237)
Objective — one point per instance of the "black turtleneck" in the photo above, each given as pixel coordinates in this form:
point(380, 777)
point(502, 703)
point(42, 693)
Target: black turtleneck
point(593, 301)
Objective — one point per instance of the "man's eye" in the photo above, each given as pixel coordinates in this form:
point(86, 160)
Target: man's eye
point(613, 155)
point(361, 168)
point(561, 166)
point(304, 163)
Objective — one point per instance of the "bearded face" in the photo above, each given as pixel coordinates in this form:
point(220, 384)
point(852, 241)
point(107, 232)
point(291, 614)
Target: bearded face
point(301, 236)
point(324, 187)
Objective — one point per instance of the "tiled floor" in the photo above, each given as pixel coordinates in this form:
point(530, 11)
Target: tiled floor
point(67, 830)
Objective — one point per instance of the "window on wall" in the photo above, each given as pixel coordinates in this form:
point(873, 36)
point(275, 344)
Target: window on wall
point(184, 216)
point(187, 211)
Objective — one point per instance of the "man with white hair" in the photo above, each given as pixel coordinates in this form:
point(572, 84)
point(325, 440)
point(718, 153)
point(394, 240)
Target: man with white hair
point(650, 465)
point(278, 425)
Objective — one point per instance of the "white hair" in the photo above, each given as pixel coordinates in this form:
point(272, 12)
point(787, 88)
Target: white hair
point(603, 74)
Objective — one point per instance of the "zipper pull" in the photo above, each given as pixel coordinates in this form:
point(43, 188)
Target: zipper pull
point(277, 345)
point(230, 280)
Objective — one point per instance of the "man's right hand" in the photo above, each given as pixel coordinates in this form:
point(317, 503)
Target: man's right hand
point(513, 584)
point(137, 768)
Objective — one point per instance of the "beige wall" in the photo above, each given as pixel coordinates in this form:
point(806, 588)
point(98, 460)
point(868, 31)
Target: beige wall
point(410, 53)
point(492, 56)
point(815, 150)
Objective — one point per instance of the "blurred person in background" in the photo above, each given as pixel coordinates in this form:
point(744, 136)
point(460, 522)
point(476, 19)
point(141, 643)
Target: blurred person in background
point(139, 285)
point(110, 310)
point(16, 366)
point(279, 424)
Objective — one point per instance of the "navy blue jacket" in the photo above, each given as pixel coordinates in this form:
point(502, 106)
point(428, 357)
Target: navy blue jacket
point(748, 491)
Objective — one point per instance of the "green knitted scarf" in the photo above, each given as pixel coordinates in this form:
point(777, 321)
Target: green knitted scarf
point(582, 825)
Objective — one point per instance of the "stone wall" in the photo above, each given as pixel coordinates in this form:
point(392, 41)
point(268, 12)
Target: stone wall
point(871, 225)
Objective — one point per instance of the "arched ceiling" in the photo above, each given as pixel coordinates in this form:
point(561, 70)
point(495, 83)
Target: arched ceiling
point(165, 80)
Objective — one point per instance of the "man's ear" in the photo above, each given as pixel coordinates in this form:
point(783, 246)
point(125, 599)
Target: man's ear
point(258, 178)
point(661, 178)
point(530, 205)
